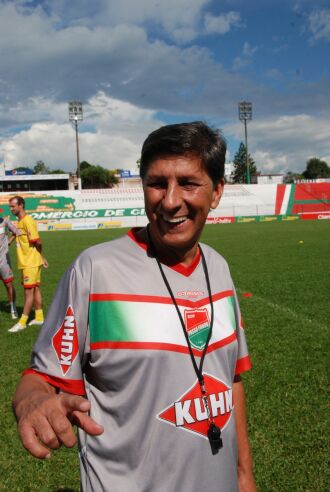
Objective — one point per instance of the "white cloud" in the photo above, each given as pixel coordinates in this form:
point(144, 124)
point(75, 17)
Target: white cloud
point(285, 143)
point(319, 25)
point(246, 56)
point(111, 135)
point(221, 24)
point(169, 17)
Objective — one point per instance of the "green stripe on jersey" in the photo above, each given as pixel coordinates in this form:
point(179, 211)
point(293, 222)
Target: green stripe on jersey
point(125, 321)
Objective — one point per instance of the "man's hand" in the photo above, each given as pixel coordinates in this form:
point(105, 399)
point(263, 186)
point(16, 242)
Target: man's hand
point(45, 262)
point(45, 419)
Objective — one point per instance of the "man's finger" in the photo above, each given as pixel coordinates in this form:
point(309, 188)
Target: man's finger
point(71, 403)
point(86, 423)
point(63, 429)
point(32, 443)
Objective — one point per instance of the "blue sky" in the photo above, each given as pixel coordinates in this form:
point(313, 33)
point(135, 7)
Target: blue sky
point(137, 64)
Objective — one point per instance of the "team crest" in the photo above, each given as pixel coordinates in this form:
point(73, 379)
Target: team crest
point(189, 413)
point(65, 341)
point(197, 325)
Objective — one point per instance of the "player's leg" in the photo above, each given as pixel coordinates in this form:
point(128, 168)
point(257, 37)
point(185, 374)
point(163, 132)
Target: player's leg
point(28, 285)
point(39, 315)
point(11, 294)
point(7, 277)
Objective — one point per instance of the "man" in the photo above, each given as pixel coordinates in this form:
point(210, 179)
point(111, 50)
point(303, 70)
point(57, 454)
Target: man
point(29, 261)
point(143, 345)
point(6, 273)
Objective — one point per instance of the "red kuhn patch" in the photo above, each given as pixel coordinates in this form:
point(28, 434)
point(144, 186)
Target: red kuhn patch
point(189, 412)
point(65, 341)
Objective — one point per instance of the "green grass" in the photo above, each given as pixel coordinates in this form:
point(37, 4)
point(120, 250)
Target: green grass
point(286, 327)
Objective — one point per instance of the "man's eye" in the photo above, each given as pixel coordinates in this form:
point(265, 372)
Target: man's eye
point(189, 185)
point(159, 185)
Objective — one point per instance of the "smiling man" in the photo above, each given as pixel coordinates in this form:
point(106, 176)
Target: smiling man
point(143, 345)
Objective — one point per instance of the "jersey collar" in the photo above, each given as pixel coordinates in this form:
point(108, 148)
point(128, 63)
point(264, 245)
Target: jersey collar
point(179, 267)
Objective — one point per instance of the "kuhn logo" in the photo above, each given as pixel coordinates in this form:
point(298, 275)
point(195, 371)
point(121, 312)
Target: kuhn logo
point(197, 326)
point(189, 412)
point(65, 341)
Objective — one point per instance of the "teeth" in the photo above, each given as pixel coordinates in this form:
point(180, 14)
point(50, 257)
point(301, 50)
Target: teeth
point(175, 220)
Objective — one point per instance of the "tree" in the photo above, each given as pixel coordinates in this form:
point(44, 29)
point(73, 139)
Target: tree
point(40, 168)
point(239, 173)
point(97, 177)
point(316, 168)
point(57, 171)
point(84, 165)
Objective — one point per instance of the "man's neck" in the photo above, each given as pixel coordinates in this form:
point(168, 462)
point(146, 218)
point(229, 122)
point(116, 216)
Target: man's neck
point(172, 256)
point(21, 215)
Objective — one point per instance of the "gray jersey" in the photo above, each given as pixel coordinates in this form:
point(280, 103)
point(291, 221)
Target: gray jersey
point(3, 240)
point(4, 226)
point(113, 333)
point(6, 273)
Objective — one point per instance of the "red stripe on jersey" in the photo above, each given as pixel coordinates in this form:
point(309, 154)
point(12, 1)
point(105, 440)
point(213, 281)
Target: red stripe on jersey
point(179, 267)
point(243, 364)
point(222, 343)
point(171, 347)
point(158, 299)
point(74, 386)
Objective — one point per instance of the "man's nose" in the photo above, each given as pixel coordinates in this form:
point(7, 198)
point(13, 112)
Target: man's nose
point(172, 197)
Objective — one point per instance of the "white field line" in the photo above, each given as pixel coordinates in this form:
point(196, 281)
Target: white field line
point(287, 310)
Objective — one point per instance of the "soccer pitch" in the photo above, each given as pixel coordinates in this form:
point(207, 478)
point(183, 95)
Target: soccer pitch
point(284, 266)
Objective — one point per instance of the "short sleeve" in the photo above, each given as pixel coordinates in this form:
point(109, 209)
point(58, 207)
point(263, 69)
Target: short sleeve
point(32, 230)
point(62, 347)
point(243, 362)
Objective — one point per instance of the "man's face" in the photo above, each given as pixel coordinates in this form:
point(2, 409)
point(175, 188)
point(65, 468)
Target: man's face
point(178, 196)
point(15, 208)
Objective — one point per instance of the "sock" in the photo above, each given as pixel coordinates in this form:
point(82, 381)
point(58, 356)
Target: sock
point(23, 320)
point(12, 306)
point(39, 315)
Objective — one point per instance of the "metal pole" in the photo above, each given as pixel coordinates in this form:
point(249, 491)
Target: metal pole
point(247, 155)
point(245, 114)
point(78, 159)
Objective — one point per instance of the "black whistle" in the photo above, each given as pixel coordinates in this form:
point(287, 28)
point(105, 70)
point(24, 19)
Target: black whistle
point(214, 435)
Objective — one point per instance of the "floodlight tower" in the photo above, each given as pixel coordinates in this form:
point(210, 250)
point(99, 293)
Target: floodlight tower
point(75, 115)
point(245, 115)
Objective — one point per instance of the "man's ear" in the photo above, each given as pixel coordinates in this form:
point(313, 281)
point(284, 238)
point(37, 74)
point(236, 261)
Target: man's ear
point(217, 193)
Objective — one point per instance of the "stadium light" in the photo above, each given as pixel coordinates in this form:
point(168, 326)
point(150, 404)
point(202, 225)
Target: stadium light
point(245, 115)
point(75, 115)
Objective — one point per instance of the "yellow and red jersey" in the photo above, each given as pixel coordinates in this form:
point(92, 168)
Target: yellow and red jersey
point(27, 254)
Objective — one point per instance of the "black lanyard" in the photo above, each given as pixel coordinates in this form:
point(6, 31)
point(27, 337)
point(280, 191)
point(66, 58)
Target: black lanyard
point(214, 432)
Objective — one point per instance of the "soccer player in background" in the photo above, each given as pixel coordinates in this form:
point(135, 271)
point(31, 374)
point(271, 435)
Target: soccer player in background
point(6, 273)
point(143, 345)
point(30, 262)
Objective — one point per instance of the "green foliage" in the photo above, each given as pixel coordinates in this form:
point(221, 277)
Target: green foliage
point(84, 165)
point(291, 177)
point(58, 171)
point(239, 172)
point(316, 168)
point(41, 168)
point(286, 327)
point(97, 177)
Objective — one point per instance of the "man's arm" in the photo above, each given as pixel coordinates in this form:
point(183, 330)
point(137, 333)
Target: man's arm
point(12, 228)
point(38, 246)
point(45, 418)
point(245, 465)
